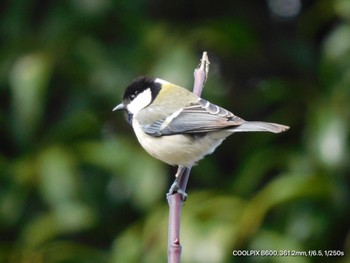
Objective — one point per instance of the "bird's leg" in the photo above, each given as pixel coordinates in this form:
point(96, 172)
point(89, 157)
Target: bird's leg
point(175, 187)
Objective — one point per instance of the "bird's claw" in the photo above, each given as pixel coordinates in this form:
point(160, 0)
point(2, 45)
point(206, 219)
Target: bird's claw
point(176, 189)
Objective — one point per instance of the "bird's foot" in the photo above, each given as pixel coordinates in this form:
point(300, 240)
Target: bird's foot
point(174, 188)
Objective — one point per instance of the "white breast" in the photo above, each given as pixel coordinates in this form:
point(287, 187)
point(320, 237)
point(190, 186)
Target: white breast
point(177, 149)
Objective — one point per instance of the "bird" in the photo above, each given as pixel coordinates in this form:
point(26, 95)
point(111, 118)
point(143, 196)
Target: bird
point(177, 127)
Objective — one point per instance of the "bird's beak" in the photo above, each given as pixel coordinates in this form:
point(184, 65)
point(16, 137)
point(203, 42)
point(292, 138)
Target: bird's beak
point(120, 106)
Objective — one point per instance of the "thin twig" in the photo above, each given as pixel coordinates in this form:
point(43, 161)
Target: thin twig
point(175, 201)
point(201, 75)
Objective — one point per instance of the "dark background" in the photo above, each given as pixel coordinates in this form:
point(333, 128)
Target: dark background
point(75, 186)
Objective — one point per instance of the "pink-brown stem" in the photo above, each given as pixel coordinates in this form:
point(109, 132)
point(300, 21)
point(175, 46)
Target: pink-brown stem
point(175, 200)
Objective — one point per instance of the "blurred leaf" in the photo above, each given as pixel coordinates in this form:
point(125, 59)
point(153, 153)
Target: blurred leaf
point(64, 220)
point(329, 143)
point(58, 176)
point(342, 7)
point(175, 64)
point(279, 192)
point(337, 46)
point(29, 81)
point(144, 186)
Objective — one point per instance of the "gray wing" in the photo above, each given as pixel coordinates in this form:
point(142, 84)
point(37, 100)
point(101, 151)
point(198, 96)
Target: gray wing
point(200, 117)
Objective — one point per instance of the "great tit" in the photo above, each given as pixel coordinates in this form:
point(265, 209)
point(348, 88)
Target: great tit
point(177, 127)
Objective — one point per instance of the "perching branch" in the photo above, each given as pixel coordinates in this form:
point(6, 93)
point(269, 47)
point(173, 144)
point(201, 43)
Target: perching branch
point(175, 200)
point(201, 75)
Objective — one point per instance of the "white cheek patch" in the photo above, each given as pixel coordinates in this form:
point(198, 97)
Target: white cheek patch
point(141, 101)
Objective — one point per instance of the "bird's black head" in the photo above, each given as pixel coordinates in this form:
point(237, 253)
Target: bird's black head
point(140, 87)
point(138, 95)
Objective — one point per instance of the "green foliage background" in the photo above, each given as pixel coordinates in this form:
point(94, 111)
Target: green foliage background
point(75, 186)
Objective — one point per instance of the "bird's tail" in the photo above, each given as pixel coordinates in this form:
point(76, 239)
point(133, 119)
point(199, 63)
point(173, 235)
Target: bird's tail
point(254, 126)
